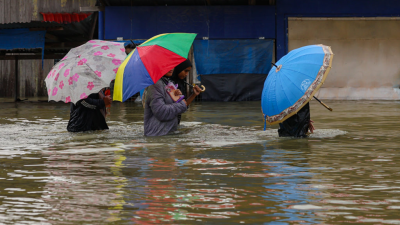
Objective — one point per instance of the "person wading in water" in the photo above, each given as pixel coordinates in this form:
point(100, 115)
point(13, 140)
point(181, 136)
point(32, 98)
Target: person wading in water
point(297, 125)
point(160, 110)
point(89, 114)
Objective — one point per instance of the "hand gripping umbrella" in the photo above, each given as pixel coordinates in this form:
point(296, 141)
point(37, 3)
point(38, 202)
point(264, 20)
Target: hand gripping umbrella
point(149, 62)
point(203, 89)
point(294, 80)
point(84, 70)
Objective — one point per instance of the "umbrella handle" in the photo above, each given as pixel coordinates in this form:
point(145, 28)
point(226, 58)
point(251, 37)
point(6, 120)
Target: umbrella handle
point(203, 89)
point(329, 108)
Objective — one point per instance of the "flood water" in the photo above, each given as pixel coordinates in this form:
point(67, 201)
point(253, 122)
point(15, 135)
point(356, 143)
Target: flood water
point(220, 168)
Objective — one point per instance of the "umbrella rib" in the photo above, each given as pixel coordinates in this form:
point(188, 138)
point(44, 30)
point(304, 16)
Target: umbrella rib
point(290, 59)
point(160, 47)
point(280, 81)
point(300, 52)
point(93, 72)
point(300, 73)
point(275, 104)
point(90, 68)
point(70, 90)
point(293, 63)
point(294, 84)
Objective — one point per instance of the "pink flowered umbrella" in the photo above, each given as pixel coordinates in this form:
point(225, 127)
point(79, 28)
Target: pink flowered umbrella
point(85, 70)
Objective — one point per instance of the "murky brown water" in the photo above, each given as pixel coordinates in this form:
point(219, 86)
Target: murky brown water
point(219, 168)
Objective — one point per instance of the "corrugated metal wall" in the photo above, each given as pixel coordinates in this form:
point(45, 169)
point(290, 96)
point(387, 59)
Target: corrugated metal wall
point(15, 11)
point(30, 80)
point(31, 75)
point(6, 78)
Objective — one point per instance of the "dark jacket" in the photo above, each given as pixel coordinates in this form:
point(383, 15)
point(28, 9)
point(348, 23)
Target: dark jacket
point(160, 111)
point(296, 125)
point(87, 114)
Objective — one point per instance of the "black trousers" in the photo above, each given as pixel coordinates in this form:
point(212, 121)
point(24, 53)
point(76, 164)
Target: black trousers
point(296, 125)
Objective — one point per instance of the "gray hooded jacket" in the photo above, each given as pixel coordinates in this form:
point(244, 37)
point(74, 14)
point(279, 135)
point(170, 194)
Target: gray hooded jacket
point(160, 111)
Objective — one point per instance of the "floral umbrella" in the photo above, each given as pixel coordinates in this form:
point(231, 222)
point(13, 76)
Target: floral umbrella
point(85, 70)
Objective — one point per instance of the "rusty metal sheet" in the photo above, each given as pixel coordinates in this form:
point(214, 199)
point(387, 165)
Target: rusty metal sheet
point(2, 9)
point(6, 78)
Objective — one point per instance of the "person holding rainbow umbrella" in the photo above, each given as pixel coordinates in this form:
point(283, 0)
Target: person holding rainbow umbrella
point(150, 65)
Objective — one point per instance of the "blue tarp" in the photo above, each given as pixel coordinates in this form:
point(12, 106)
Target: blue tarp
point(22, 39)
point(143, 22)
point(248, 56)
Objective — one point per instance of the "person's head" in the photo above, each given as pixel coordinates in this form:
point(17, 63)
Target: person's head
point(169, 73)
point(183, 74)
point(182, 70)
point(129, 48)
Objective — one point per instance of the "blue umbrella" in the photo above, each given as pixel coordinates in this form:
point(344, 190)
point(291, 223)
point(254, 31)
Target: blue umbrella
point(293, 81)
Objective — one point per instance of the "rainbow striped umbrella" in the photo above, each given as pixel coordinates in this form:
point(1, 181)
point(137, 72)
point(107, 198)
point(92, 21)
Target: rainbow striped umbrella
point(149, 62)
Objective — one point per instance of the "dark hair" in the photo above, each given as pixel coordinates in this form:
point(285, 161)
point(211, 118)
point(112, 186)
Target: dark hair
point(131, 45)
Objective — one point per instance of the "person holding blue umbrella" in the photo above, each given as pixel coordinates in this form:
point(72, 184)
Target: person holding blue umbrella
point(291, 84)
point(298, 125)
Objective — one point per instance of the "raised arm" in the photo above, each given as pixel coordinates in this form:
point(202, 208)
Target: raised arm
point(196, 92)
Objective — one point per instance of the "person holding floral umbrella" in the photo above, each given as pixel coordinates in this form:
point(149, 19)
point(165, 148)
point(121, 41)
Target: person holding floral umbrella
point(89, 113)
point(79, 79)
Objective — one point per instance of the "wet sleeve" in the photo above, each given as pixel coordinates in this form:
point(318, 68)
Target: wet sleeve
point(161, 110)
point(91, 103)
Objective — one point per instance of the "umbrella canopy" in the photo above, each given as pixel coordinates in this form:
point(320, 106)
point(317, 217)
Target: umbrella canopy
point(149, 62)
point(85, 70)
point(294, 81)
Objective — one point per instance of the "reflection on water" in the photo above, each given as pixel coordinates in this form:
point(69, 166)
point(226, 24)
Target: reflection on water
point(220, 167)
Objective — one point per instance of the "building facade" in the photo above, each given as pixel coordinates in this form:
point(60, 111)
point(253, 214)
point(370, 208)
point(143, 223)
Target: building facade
point(363, 34)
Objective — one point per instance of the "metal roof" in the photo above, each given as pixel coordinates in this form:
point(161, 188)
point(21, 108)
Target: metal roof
point(65, 31)
point(33, 24)
point(60, 37)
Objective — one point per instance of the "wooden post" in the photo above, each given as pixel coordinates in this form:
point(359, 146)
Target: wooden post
point(16, 90)
point(94, 26)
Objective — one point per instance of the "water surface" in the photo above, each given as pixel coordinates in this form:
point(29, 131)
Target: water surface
point(220, 167)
